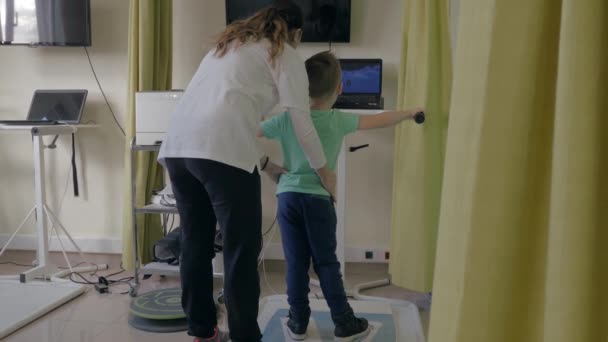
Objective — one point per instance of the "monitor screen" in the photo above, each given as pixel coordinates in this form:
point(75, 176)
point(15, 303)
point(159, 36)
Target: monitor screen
point(324, 20)
point(45, 22)
point(361, 77)
point(53, 105)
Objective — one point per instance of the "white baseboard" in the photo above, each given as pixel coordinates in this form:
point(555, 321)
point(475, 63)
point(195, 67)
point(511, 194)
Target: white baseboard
point(274, 251)
point(87, 245)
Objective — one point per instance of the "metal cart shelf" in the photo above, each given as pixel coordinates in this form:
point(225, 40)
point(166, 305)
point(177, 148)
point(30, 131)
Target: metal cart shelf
point(156, 209)
point(153, 268)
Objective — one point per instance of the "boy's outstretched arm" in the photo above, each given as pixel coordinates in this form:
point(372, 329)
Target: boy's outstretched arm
point(386, 119)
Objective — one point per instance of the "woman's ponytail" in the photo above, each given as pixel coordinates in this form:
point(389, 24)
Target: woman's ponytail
point(277, 23)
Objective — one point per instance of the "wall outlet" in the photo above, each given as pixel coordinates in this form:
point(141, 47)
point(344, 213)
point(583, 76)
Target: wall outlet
point(369, 255)
point(387, 255)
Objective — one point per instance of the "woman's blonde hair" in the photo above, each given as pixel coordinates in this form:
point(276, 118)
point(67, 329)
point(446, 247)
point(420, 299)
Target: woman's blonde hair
point(279, 23)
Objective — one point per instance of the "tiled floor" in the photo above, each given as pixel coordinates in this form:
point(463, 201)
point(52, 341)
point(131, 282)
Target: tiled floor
point(100, 318)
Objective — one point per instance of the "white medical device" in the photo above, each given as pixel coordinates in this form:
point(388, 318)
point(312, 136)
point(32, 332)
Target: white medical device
point(152, 112)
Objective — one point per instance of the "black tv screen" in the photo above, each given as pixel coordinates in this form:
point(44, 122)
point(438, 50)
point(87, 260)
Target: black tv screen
point(45, 22)
point(324, 20)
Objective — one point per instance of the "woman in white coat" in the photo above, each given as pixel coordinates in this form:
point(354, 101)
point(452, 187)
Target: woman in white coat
point(213, 159)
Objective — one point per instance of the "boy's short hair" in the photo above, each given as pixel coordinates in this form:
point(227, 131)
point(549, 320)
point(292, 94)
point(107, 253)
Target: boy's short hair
point(324, 74)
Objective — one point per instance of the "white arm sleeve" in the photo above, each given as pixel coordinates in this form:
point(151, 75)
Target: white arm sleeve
point(292, 85)
point(307, 137)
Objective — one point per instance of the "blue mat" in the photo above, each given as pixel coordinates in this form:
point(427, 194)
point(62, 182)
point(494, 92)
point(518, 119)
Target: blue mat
point(384, 327)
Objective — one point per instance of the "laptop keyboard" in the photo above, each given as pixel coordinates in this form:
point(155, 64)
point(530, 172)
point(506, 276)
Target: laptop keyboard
point(358, 102)
point(28, 122)
point(362, 99)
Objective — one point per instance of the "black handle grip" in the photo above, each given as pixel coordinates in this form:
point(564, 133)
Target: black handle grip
point(355, 148)
point(419, 118)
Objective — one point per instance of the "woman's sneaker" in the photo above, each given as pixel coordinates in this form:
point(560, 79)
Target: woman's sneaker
point(297, 325)
point(349, 327)
point(218, 336)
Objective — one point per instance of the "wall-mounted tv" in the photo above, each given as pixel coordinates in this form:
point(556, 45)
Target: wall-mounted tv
point(324, 20)
point(45, 22)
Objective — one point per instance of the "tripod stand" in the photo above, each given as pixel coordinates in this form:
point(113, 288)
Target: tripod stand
point(44, 269)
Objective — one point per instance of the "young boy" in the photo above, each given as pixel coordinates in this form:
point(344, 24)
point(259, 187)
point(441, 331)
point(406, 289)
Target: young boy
point(306, 213)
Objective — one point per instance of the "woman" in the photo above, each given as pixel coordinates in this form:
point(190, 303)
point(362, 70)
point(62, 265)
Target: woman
point(212, 157)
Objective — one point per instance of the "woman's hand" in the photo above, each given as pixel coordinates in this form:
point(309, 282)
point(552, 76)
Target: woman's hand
point(328, 180)
point(274, 171)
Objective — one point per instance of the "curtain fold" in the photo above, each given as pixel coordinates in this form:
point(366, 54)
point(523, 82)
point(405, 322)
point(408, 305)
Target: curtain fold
point(522, 250)
point(424, 80)
point(44, 20)
point(150, 68)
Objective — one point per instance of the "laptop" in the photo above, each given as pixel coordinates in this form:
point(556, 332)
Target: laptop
point(362, 84)
point(53, 107)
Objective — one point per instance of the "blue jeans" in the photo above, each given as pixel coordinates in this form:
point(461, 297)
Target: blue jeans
point(308, 231)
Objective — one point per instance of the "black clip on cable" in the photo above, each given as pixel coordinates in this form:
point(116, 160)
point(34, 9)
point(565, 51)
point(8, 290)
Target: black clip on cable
point(419, 118)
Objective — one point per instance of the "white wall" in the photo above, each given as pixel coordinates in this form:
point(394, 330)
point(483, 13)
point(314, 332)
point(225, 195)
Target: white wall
point(375, 33)
point(98, 212)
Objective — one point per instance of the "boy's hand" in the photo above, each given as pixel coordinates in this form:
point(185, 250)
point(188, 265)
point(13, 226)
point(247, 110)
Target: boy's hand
point(413, 111)
point(274, 171)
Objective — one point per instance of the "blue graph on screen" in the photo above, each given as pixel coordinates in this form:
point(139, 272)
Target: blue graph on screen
point(363, 80)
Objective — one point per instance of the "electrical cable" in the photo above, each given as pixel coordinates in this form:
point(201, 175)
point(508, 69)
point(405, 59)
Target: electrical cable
point(65, 192)
point(122, 270)
point(14, 264)
point(266, 278)
point(263, 253)
point(103, 93)
point(264, 248)
point(110, 282)
point(172, 223)
point(270, 228)
point(263, 261)
point(165, 219)
point(59, 267)
point(166, 203)
point(84, 282)
point(78, 264)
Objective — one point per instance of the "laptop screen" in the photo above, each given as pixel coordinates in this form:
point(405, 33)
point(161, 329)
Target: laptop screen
point(361, 76)
point(57, 105)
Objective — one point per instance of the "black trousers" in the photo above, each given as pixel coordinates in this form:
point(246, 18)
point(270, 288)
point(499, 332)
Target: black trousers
point(208, 192)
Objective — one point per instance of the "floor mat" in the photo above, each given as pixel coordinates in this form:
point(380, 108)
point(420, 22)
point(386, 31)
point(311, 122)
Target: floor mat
point(389, 322)
point(22, 303)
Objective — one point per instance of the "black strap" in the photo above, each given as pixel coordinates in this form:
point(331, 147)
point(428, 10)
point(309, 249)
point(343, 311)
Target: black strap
point(74, 171)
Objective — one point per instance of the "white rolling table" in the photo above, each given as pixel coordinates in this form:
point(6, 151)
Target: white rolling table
point(44, 268)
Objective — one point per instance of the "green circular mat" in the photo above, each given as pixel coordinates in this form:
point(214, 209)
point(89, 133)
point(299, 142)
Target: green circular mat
point(158, 326)
point(163, 304)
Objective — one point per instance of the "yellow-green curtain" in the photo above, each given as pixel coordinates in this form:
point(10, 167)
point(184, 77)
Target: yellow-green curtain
point(523, 236)
point(150, 68)
point(424, 80)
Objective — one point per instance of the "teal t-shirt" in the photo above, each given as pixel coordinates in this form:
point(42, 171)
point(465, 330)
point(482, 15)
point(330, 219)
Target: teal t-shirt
point(332, 125)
